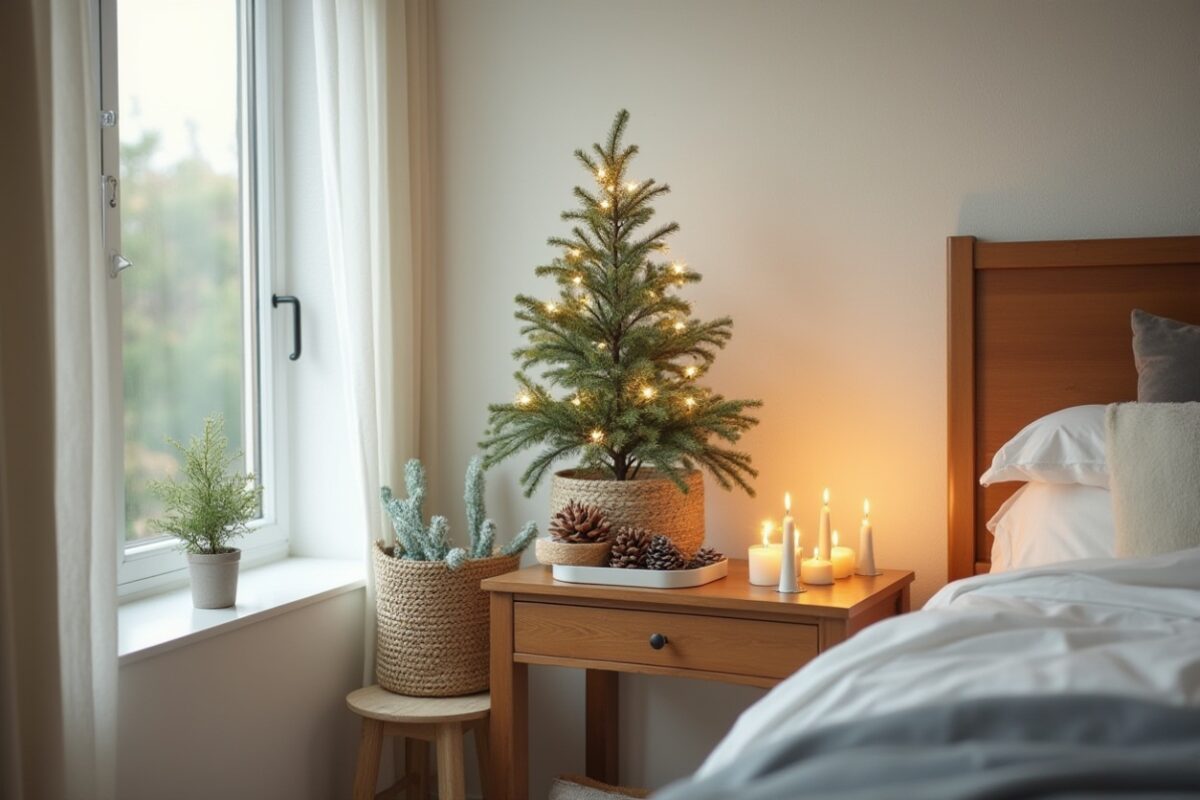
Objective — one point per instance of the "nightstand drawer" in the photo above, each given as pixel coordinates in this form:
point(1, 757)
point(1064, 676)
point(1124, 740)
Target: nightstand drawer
point(689, 641)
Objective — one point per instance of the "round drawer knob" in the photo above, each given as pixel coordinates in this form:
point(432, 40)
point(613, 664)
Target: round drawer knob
point(658, 641)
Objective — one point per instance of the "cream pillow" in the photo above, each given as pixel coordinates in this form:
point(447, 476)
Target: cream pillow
point(1154, 466)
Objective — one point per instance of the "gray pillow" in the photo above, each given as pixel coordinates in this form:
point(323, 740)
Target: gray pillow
point(1167, 356)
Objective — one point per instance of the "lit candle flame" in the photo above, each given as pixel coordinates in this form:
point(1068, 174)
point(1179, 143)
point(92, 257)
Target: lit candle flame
point(787, 502)
point(767, 527)
point(816, 553)
point(825, 497)
point(866, 508)
point(835, 544)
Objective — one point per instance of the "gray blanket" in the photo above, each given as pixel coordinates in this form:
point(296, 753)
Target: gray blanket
point(1070, 746)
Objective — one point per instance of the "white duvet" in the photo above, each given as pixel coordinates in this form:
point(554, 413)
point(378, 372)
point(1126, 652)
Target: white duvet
point(1127, 627)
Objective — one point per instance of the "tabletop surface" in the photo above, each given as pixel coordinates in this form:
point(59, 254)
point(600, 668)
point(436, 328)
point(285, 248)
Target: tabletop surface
point(844, 598)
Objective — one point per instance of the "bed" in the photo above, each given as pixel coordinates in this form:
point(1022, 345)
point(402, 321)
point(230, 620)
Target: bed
point(1070, 679)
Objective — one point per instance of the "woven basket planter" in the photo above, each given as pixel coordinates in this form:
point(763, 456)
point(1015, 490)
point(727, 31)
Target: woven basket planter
point(433, 624)
point(650, 501)
point(576, 554)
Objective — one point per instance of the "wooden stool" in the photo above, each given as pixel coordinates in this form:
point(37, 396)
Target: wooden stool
point(417, 722)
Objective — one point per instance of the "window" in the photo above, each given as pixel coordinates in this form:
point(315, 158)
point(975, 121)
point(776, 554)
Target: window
point(186, 181)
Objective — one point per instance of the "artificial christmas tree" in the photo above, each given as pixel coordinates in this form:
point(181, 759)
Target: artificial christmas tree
point(619, 358)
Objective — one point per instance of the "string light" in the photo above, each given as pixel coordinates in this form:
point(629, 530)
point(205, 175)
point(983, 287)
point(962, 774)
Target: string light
point(648, 392)
point(577, 401)
point(631, 186)
point(605, 204)
point(677, 268)
point(600, 173)
point(602, 345)
point(576, 252)
point(611, 187)
point(597, 436)
point(551, 308)
point(524, 399)
point(679, 326)
point(690, 402)
point(689, 372)
point(578, 279)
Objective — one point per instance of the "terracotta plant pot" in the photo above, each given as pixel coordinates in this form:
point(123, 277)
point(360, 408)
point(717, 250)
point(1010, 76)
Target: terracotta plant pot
point(433, 624)
point(650, 501)
point(214, 578)
point(577, 554)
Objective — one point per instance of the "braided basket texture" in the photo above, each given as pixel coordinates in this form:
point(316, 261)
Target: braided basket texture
point(651, 501)
point(576, 554)
point(433, 624)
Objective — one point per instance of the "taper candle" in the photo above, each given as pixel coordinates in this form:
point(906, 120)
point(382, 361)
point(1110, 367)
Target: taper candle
point(866, 544)
point(823, 531)
point(787, 567)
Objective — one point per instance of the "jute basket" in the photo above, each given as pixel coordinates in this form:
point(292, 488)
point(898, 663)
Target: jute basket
point(651, 501)
point(433, 624)
point(575, 554)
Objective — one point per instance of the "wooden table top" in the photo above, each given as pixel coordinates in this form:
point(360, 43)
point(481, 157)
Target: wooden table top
point(843, 599)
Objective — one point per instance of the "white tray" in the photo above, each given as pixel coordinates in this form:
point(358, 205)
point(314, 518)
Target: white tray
point(647, 578)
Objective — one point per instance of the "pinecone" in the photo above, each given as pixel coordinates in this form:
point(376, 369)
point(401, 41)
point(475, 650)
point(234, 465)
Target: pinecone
point(629, 548)
point(576, 523)
point(704, 557)
point(663, 554)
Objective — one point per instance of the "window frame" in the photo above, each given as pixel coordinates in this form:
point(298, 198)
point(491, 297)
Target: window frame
point(159, 564)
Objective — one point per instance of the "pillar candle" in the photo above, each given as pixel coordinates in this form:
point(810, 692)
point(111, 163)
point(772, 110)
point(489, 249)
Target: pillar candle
point(816, 570)
point(842, 559)
point(866, 544)
point(787, 567)
point(765, 559)
point(823, 531)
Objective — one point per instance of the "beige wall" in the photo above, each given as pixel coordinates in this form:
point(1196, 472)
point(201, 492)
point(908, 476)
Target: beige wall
point(820, 153)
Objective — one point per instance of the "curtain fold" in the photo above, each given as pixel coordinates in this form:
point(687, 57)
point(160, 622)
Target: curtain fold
point(58, 443)
point(364, 125)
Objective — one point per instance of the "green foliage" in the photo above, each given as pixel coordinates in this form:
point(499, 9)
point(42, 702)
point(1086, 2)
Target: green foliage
point(418, 542)
point(618, 350)
point(212, 503)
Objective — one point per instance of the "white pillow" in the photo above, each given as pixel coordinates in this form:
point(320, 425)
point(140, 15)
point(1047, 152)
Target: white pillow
point(1045, 523)
point(1064, 447)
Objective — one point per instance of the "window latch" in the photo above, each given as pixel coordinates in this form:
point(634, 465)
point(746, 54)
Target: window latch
point(276, 301)
point(117, 263)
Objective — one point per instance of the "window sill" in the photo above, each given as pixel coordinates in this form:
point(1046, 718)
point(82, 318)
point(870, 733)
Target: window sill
point(156, 624)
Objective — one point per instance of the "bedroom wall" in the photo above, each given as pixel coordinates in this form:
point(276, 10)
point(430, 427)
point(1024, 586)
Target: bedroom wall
point(820, 153)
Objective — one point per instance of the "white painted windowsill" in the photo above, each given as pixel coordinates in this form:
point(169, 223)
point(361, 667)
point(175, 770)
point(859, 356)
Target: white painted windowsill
point(162, 622)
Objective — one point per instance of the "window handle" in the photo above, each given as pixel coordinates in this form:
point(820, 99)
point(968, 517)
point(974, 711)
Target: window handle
point(276, 299)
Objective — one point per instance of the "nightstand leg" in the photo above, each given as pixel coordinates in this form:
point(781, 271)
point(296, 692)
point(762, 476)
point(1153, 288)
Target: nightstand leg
point(602, 719)
point(509, 745)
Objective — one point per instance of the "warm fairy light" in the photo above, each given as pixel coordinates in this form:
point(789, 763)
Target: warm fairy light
point(767, 528)
point(648, 392)
point(600, 173)
point(576, 253)
point(650, 293)
point(551, 308)
point(677, 268)
point(866, 509)
point(690, 402)
point(679, 326)
point(605, 204)
point(825, 497)
point(611, 187)
point(602, 345)
point(689, 372)
point(578, 279)
point(597, 436)
point(631, 186)
point(524, 399)
point(576, 401)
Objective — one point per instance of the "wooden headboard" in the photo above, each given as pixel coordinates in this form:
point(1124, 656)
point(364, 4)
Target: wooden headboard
point(1039, 326)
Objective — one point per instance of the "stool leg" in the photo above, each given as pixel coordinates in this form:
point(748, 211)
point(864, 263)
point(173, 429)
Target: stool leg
point(451, 783)
point(416, 765)
point(366, 775)
point(482, 748)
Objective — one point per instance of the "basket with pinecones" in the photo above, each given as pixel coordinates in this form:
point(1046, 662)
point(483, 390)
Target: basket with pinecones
point(579, 536)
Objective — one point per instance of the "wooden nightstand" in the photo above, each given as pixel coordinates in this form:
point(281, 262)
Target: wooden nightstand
point(724, 631)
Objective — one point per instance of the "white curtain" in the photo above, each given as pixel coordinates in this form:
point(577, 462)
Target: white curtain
point(366, 123)
point(57, 477)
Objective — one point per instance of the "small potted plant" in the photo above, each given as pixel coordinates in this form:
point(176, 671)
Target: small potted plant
point(208, 505)
point(431, 614)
